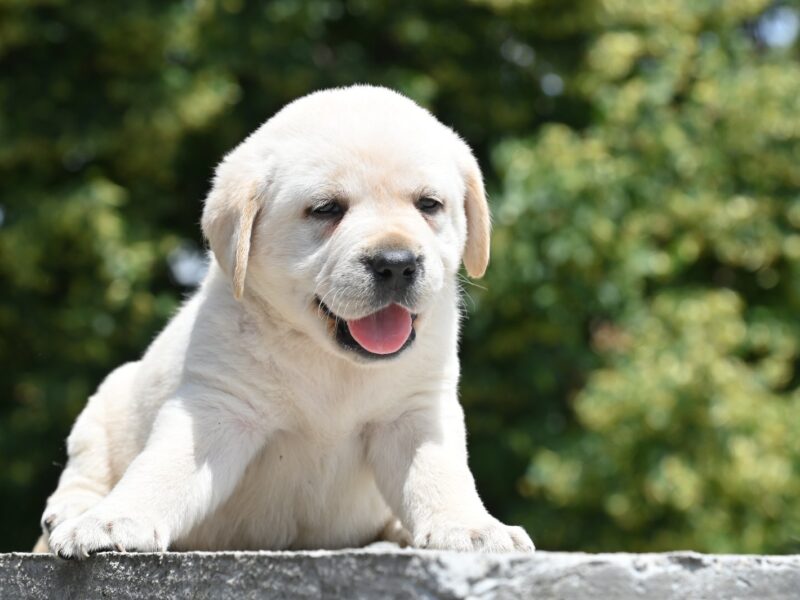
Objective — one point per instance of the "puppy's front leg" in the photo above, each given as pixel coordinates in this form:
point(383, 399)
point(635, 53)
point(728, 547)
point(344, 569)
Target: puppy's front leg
point(420, 464)
point(198, 449)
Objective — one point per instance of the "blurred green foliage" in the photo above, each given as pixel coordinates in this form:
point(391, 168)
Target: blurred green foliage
point(632, 365)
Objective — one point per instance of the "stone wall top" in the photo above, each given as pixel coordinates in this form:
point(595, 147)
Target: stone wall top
point(384, 572)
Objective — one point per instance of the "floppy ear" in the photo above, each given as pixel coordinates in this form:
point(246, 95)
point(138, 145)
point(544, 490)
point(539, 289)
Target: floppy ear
point(228, 217)
point(479, 224)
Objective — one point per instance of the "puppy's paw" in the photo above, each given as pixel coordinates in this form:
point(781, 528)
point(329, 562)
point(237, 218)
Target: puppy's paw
point(66, 507)
point(487, 535)
point(395, 533)
point(94, 532)
point(55, 515)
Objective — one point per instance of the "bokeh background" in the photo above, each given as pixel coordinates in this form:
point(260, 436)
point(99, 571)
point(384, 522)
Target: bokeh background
point(632, 361)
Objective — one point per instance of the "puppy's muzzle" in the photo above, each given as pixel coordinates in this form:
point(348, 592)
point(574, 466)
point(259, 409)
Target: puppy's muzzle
point(395, 270)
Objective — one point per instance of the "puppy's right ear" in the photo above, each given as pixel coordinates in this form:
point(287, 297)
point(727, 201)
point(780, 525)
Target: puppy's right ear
point(228, 217)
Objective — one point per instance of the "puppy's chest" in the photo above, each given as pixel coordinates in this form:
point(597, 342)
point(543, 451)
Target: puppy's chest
point(301, 458)
point(333, 411)
point(303, 491)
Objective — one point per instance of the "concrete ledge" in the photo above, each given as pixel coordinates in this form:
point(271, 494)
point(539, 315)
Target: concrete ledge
point(386, 572)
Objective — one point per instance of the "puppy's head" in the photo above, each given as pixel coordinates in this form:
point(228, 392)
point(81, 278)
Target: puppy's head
point(349, 212)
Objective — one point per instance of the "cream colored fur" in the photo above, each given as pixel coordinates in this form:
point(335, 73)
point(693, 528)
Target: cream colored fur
point(245, 425)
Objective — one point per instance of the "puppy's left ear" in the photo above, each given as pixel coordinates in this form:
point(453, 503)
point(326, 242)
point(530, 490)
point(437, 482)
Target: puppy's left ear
point(229, 215)
point(479, 222)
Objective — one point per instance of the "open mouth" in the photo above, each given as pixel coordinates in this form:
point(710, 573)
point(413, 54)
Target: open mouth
point(383, 334)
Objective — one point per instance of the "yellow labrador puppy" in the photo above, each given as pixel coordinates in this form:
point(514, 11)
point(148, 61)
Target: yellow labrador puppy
point(306, 396)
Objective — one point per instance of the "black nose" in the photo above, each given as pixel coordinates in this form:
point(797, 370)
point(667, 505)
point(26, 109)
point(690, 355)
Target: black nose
point(396, 268)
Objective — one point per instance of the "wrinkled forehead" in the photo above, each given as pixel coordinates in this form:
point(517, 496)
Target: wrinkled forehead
point(373, 155)
point(374, 170)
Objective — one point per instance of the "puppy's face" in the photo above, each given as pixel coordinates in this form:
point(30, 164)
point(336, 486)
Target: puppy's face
point(359, 203)
point(360, 241)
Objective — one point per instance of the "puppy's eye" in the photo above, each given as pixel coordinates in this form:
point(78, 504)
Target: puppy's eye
point(429, 205)
point(329, 209)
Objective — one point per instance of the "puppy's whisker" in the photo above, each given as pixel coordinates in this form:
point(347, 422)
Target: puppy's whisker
point(347, 307)
point(324, 296)
point(336, 317)
point(463, 297)
point(322, 301)
point(468, 281)
point(332, 294)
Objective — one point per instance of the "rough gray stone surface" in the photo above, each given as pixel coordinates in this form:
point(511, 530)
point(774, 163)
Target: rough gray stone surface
point(387, 572)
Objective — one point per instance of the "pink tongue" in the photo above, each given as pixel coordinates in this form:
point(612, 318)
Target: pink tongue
point(383, 332)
